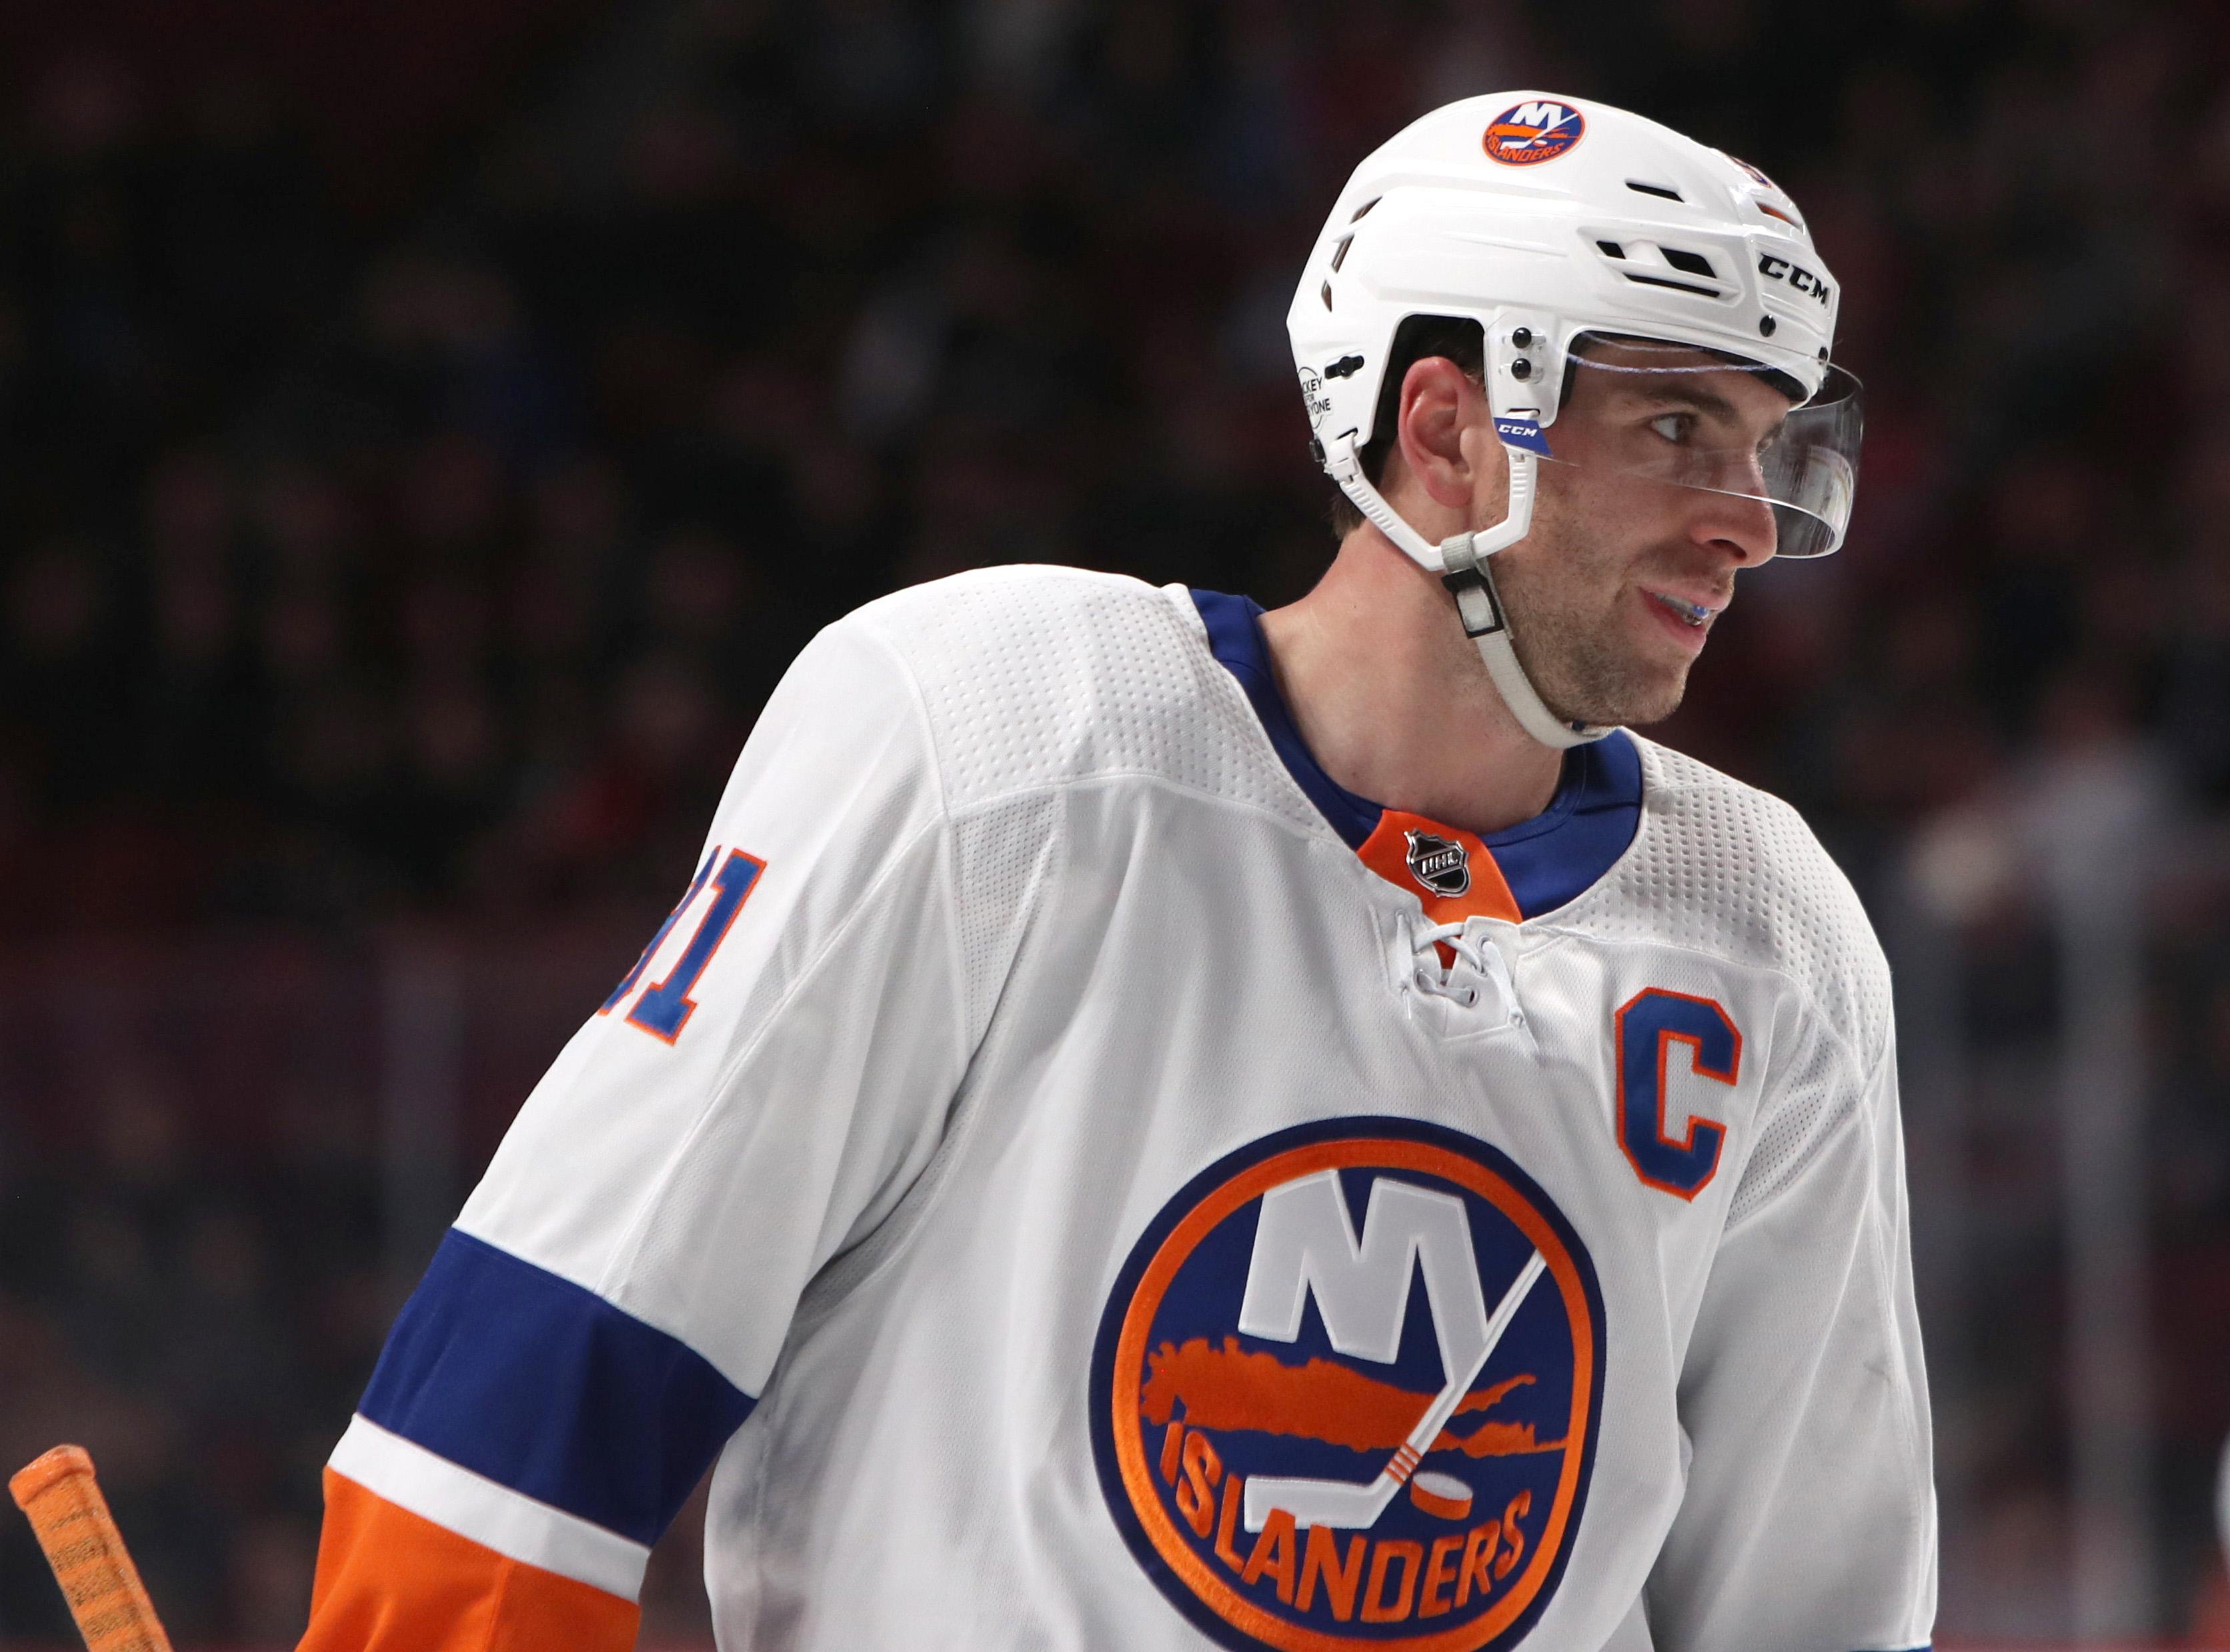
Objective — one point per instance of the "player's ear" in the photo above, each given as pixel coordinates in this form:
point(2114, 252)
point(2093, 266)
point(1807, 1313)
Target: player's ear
point(1438, 404)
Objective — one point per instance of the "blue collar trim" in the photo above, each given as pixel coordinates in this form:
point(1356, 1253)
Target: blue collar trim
point(1548, 860)
point(1235, 636)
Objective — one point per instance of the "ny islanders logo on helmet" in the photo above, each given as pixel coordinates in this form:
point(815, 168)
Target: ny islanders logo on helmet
point(1526, 134)
point(1345, 1392)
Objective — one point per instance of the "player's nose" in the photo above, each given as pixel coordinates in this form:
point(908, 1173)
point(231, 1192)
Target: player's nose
point(1738, 527)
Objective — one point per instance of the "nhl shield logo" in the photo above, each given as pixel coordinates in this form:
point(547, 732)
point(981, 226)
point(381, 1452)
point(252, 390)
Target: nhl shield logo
point(1442, 865)
point(1346, 1390)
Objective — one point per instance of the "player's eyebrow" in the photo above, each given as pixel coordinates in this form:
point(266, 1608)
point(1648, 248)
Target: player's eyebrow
point(1694, 395)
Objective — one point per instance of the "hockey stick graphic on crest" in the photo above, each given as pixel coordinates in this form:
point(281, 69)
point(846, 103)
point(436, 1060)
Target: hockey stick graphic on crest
point(1350, 1506)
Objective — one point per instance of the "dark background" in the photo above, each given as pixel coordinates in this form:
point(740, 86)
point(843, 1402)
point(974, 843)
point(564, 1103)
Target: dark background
point(427, 431)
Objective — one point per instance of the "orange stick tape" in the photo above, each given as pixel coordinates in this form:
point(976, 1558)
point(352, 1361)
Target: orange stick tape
point(87, 1552)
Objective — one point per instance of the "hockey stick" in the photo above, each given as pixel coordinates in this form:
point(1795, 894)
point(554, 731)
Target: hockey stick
point(1351, 1505)
point(71, 1519)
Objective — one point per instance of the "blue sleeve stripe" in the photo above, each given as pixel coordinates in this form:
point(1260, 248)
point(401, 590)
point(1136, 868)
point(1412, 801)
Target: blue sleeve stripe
point(541, 1385)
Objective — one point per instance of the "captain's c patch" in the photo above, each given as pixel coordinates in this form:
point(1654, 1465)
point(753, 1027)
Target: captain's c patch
point(1346, 1390)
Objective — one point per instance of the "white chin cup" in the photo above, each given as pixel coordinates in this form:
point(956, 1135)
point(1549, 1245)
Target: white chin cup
point(1461, 563)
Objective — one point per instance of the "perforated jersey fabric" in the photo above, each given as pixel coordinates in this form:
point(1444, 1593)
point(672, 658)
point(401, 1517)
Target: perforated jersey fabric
point(1816, 1095)
point(1033, 677)
point(1015, 952)
point(1002, 850)
point(1734, 872)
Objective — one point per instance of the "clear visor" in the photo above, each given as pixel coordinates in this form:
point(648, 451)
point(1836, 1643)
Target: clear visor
point(1663, 415)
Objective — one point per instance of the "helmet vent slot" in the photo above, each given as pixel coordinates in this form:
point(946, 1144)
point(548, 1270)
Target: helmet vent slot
point(1663, 192)
point(1776, 212)
point(1327, 295)
point(1366, 207)
point(1678, 286)
point(1666, 266)
point(1339, 252)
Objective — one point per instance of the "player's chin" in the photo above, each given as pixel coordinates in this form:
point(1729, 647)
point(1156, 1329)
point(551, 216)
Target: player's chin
point(1659, 704)
point(1643, 694)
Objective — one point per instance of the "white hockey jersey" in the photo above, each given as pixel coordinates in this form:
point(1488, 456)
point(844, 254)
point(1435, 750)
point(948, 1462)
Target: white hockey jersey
point(1092, 1183)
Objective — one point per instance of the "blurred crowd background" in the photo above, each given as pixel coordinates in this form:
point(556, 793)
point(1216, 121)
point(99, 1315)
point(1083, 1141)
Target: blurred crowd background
point(426, 435)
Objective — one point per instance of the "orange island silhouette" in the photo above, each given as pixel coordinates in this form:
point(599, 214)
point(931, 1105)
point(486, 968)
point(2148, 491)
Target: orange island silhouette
point(1228, 1388)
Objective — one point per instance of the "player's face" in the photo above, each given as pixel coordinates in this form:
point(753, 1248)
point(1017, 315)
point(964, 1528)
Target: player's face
point(1614, 591)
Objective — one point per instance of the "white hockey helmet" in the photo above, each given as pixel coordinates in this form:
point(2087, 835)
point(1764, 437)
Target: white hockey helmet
point(1549, 221)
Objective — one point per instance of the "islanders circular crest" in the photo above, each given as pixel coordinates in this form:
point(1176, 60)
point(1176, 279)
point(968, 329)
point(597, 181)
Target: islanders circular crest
point(1346, 1390)
point(1525, 134)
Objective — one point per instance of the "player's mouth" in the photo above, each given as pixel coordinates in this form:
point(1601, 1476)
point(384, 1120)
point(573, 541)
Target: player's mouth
point(1686, 618)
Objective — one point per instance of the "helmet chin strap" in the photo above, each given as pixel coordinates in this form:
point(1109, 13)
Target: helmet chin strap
point(1461, 563)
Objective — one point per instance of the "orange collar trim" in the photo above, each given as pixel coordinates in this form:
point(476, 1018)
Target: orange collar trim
point(1449, 869)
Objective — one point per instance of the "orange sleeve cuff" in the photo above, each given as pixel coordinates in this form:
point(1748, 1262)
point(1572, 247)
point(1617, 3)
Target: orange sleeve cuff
point(392, 1581)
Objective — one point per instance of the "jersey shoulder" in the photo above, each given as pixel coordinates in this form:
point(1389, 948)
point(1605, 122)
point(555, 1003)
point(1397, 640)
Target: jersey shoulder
point(1034, 677)
point(1723, 868)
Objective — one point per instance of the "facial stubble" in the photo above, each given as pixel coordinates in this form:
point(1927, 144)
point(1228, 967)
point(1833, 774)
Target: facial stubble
point(1565, 591)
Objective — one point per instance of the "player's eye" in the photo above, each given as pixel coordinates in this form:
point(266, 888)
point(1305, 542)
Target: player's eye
point(1675, 427)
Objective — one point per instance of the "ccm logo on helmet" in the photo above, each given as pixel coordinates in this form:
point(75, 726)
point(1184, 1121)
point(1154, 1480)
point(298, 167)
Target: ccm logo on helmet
point(1796, 275)
point(1525, 134)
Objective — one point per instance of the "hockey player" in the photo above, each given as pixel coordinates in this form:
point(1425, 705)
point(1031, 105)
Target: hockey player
point(1157, 1126)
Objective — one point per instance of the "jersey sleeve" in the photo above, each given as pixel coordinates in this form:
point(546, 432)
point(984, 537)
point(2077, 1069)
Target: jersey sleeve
point(1809, 1519)
point(758, 1093)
